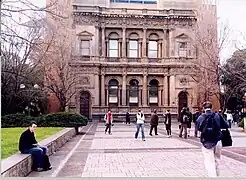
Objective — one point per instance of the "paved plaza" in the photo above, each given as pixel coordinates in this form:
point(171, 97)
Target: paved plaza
point(96, 154)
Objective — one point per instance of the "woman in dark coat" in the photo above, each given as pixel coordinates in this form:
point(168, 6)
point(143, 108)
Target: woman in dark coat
point(154, 123)
point(128, 118)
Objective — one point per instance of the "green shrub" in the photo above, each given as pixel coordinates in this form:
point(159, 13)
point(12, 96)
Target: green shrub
point(241, 123)
point(61, 119)
point(16, 120)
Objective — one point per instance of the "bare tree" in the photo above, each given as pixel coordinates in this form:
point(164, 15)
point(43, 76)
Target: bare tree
point(205, 70)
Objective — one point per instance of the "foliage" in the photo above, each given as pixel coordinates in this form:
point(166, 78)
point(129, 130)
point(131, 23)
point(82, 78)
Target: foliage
point(61, 119)
point(233, 78)
point(10, 138)
point(241, 123)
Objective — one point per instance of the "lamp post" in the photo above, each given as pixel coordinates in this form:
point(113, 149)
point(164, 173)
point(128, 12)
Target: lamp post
point(23, 86)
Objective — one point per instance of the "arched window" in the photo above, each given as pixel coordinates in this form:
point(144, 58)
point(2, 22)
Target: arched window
point(153, 91)
point(133, 50)
point(113, 49)
point(113, 91)
point(153, 46)
point(133, 91)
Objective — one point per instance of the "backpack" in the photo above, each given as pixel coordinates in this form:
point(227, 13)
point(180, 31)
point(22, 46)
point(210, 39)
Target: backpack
point(185, 119)
point(210, 131)
point(46, 163)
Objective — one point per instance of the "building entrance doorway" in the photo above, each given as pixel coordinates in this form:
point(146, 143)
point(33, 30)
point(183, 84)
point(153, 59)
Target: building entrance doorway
point(85, 99)
point(183, 101)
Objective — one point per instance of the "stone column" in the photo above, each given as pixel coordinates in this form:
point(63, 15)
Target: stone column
point(96, 85)
point(123, 42)
point(159, 49)
point(172, 90)
point(139, 49)
point(145, 90)
point(159, 96)
point(139, 96)
point(103, 90)
point(144, 43)
point(165, 90)
point(103, 42)
point(164, 44)
point(107, 98)
point(124, 90)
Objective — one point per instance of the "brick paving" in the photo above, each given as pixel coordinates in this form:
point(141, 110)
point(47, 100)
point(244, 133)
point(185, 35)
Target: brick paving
point(121, 155)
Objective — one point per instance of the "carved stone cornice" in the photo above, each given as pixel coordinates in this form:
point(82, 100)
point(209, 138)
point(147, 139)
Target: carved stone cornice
point(85, 18)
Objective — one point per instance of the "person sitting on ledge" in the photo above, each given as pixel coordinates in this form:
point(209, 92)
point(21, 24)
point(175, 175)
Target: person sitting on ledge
point(29, 145)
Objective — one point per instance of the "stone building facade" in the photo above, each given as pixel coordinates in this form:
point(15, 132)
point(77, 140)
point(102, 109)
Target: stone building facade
point(133, 54)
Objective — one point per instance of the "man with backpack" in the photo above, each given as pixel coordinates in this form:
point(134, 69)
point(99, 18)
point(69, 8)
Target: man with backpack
point(184, 120)
point(210, 125)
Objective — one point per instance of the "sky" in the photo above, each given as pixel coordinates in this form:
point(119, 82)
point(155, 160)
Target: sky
point(230, 13)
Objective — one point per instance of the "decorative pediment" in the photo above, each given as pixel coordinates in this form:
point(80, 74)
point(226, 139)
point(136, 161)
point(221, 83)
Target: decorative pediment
point(183, 36)
point(85, 33)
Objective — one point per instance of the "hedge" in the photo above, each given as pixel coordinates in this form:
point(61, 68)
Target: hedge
point(61, 119)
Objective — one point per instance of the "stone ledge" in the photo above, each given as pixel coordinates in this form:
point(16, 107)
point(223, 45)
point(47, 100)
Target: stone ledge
point(19, 165)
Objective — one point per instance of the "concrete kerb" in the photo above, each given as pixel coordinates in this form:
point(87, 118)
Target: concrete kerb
point(19, 165)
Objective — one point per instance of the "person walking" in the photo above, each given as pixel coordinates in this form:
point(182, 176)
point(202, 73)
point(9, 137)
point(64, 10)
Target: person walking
point(229, 117)
point(189, 121)
point(140, 124)
point(29, 145)
point(154, 122)
point(194, 118)
point(210, 125)
point(128, 118)
point(108, 118)
point(184, 120)
point(167, 122)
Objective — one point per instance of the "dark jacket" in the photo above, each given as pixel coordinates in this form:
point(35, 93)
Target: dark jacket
point(181, 120)
point(221, 123)
point(154, 120)
point(167, 119)
point(127, 116)
point(26, 141)
point(195, 116)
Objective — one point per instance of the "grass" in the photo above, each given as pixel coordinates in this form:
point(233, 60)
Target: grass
point(10, 138)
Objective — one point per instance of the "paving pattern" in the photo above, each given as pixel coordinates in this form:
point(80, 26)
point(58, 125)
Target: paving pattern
point(96, 154)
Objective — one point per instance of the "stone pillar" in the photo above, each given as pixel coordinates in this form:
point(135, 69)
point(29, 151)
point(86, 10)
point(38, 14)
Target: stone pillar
point(159, 97)
point(144, 43)
point(124, 90)
point(165, 90)
point(145, 90)
point(172, 90)
point(123, 42)
point(103, 42)
point(107, 98)
point(96, 85)
point(164, 44)
point(139, 49)
point(139, 97)
point(159, 49)
point(103, 90)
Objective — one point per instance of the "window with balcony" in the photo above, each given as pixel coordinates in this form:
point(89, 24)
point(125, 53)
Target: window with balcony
point(133, 92)
point(113, 45)
point(85, 47)
point(182, 49)
point(153, 91)
point(152, 49)
point(113, 88)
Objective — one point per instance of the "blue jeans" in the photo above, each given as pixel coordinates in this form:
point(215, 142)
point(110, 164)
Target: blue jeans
point(142, 130)
point(37, 153)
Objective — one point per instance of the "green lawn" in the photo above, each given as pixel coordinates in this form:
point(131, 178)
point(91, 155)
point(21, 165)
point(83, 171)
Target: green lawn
point(10, 138)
